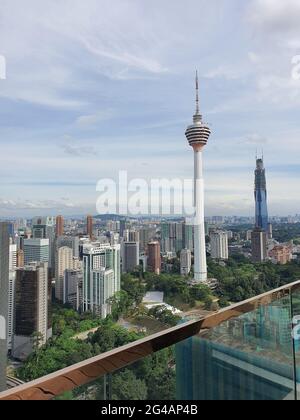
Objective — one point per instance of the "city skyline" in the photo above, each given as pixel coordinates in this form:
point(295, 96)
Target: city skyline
point(131, 91)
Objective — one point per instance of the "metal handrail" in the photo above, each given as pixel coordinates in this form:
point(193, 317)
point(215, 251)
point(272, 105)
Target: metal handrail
point(90, 370)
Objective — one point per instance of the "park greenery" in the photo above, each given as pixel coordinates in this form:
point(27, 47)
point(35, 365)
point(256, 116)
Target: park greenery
point(63, 350)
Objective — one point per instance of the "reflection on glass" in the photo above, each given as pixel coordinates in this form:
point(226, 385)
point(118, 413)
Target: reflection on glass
point(246, 358)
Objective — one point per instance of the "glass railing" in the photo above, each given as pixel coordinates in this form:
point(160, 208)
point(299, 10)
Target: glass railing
point(249, 351)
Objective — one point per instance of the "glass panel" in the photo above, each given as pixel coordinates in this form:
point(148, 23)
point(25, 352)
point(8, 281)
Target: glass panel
point(246, 358)
point(296, 335)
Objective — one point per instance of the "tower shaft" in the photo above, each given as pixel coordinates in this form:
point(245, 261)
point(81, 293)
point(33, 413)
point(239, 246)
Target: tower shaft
point(199, 233)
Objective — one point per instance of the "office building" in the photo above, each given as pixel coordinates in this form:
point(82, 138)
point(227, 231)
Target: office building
point(4, 298)
point(185, 262)
point(90, 227)
point(64, 261)
point(154, 257)
point(197, 135)
point(219, 245)
point(259, 245)
point(36, 250)
point(59, 226)
point(261, 207)
point(44, 228)
point(99, 262)
point(32, 309)
point(130, 256)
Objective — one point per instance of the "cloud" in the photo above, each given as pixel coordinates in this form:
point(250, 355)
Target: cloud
point(86, 121)
point(255, 138)
point(276, 16)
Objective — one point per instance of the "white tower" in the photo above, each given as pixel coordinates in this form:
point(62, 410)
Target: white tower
point(198, 134)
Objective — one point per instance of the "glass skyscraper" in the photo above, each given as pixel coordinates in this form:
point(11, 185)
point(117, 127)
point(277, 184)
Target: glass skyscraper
point(261, 207)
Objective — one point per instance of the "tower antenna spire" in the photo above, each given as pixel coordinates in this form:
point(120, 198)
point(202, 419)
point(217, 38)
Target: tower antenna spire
point(197, 94)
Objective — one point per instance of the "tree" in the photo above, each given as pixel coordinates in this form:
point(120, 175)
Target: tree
point(126, 387)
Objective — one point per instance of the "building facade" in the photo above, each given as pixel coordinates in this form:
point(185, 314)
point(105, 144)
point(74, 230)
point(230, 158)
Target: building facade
point(63, 262)
point(130, 256)
point(154, 258)
point(185, 262)
point(219, 245)
point(4, 295)
point(103, 259)
point(260, 193)
point(32, 309)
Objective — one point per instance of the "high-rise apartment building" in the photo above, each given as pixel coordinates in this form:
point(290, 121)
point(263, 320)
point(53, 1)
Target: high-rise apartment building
point(101, 276)
point(197, 135)
point(260, 193)
point(281, 254)
point(70, 242)
point(130, 256)
point(12, 257)
point(146, 234)
point(185, 262)
point(32, 309)
point(172, 237)
point(4, 290)
point(72, 288)
point(154, 257)
point(59, 226)
point(63, 262)
point(219, 245)
point(259, 245)
point(36, 250)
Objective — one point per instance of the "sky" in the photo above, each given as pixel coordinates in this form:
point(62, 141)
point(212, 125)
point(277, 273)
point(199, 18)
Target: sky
point(96, 87)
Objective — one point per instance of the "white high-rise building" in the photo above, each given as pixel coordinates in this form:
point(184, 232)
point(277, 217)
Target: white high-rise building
point(11, 293)
point(12, 257)
point(11, 309)
point(101, 276)
point(219, 245)
point(185, 262)
point(64, 261)
point(4, 285)
point(198, 134)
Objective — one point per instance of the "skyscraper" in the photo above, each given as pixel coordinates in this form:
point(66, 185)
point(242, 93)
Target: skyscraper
point(32, 308)
point(219, 245)
point(260, 193)
point(130, 256)
point(36, 250)
point(89, 226)
point(259, 245)
point(63, 262)
point(101, 276)
point(72, 293)
point(185, 262)
point(4, 286)
point(154, 257)
point(59, 226)
point(197, 135)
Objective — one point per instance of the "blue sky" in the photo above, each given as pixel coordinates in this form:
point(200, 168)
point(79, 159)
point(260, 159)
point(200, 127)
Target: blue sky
point(95, 87)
